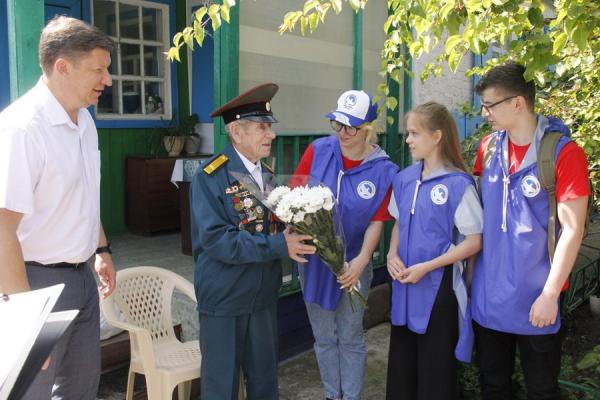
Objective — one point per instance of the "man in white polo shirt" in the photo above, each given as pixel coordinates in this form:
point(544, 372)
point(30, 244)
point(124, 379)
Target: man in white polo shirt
point(50, 199)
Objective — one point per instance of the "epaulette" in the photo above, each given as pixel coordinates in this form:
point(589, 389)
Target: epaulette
point(267, 167)
point(215, 164)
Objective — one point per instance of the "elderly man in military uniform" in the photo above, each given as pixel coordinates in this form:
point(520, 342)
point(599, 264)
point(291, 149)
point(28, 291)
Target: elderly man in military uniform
point(238, 256)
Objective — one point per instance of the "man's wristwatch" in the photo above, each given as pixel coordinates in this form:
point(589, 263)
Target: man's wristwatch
point(104, 249)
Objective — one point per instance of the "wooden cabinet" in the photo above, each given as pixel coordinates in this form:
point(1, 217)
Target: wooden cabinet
point(152, 201)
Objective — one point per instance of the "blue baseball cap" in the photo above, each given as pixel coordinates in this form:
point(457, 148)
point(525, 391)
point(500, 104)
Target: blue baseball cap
point(354, 108)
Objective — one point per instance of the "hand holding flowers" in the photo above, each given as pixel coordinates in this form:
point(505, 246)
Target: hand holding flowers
point(310, 211)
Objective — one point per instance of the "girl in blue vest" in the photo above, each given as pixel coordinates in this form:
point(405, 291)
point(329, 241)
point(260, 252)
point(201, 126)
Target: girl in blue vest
point(360, 174)
point(438, 224)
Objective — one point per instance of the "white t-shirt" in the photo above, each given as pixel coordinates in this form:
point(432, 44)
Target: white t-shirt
point(50, 172)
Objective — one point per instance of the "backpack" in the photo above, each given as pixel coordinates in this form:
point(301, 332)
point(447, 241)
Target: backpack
point(547, 177)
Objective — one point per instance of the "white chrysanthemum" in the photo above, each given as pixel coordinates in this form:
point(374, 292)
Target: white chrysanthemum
point(276, 195)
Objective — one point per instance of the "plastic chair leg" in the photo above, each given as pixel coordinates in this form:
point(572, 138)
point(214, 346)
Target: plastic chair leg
point(130, 384)
point(154, 388)
point(183, 390)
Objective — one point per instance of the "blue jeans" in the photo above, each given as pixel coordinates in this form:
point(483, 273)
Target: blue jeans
point(340, 344)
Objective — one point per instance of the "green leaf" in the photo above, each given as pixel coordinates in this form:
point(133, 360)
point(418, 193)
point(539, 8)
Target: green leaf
point(446, 8)
point(187, 37)
point(417, 9)
point(391, 103)
point(313, 21)
point(535, 17)
point(215, 16)
point(454, 23)
point(559, 43)
point(198, 33)
point(225, 12)
point(303, 24)
point(177, 38)
point(355, 4)
point(200, 13)
point(309, 5)
point(452, 42)
point(173, 54)
point(580, 37)
point(454, 59)
point(337, 5)
point(415, 49)
point(589, 360)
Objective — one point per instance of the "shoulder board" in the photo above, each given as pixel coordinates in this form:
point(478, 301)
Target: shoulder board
point(267, 167)
point(216, 164)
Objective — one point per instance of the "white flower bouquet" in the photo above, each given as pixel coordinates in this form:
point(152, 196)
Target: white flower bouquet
point(309, 209)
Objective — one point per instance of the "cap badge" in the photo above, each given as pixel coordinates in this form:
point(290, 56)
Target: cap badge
point(350, 101)
point(268, 106)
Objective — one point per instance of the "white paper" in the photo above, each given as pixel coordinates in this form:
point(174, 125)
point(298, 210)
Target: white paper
point(21, 318)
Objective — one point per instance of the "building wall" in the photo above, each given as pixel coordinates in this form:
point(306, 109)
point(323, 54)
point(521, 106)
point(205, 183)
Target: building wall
point(451, 90)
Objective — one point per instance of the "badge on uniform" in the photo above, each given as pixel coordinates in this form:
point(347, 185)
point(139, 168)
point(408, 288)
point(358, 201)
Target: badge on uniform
point(439, 194)
point(251, 214)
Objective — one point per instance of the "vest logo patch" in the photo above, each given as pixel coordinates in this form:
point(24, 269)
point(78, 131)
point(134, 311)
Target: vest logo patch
point(366, 189)
point(530, 186)
point(439, 194)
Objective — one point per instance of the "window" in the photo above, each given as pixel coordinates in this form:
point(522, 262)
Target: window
point(141, 75)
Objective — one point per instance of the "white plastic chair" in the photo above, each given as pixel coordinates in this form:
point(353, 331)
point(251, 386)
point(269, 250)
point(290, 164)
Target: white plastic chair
point(143, 294)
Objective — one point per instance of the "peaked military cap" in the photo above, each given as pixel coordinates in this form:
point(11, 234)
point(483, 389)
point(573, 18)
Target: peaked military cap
point(253, 105)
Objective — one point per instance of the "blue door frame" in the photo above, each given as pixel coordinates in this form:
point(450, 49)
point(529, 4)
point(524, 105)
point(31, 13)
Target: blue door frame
point(71, 8)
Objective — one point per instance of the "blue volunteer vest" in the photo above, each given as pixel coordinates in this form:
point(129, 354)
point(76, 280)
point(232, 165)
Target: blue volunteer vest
point(513, 266)
point(426, 212)
point(362, 190)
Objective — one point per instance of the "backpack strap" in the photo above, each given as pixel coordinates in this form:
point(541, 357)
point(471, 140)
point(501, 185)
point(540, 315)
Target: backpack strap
point(547, 175)
point(489, 151)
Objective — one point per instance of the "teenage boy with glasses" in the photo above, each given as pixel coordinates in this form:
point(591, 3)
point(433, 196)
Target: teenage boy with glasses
point(516, 285)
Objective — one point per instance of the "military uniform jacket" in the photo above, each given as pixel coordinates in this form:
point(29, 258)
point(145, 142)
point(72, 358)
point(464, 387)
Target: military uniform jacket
point(238, 267)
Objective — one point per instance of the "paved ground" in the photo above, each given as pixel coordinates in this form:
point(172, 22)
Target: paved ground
point(298, 377)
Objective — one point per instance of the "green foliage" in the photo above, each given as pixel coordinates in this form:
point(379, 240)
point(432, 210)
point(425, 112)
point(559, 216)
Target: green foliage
point(513, 29)
point(197, 29)
point(591, 360)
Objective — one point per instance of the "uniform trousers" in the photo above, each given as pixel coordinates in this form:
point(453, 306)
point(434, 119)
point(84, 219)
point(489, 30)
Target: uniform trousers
point(74, 370)
point(540, 361)
point(248, 342)
point(423, 366)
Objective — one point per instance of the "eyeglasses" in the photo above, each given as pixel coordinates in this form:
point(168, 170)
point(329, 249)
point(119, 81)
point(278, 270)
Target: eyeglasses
point(488, 107)
point(350, 130)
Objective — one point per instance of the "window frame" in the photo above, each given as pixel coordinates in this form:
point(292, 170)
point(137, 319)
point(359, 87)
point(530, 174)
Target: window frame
point(114, 120)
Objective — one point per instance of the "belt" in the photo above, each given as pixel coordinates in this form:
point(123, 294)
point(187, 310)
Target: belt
point(55, 265)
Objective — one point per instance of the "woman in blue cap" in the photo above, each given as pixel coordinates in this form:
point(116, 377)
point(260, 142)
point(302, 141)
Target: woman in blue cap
point(434, 201)
point(359, 173)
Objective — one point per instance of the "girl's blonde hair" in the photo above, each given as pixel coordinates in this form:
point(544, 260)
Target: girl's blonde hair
point(434, 116)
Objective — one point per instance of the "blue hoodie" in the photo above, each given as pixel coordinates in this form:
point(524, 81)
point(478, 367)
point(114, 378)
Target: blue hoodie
point(359, 191)
point(514, 264)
